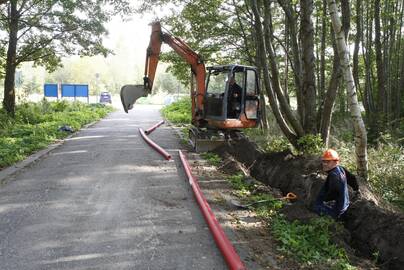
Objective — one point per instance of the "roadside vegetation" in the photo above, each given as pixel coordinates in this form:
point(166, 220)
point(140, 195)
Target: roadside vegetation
point(386, 157)
point(310, 244)
point(212, 158)
point(36, 125)
point(178, 112)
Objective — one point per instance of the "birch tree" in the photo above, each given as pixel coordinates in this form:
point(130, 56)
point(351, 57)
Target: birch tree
point(359, 126)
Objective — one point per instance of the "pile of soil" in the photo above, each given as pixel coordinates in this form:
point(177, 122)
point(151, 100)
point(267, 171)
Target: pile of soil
point(371, 229)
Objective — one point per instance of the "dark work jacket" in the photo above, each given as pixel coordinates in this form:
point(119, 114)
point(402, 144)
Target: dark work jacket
point(234, 103)
point(351, 179)
point(234, 89)
point(336, 189)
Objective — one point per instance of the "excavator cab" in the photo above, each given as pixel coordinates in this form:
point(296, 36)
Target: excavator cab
point(232, 97)
point(223, 98)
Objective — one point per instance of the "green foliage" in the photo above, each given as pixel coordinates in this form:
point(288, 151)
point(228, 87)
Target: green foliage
point(277, 144)
point(185, 135)
point(45, 31)
point(178, 112)
point(44, 25)
point(212, 158)
point(311, 144)
point(237, 182)
point(310, 243)
point(269, 208)
point(31, 86)
point(243, 189)
point(386, 169)
point(201, 25)
point(36, 125)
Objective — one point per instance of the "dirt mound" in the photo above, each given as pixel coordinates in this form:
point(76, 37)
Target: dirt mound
point(373, 230)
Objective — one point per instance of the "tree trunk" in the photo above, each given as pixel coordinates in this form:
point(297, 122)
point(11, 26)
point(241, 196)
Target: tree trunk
point(286, 77)
point(9, 80)
point(276, 84)
point(400, 69)
point(264, 120)
point(308, 60)
point(400, 88)
point(296, 59)
point(381, 96)
point(399, 77)
point(367, 55)
point(323, 46)
point(355, 60)
point(265, 73)
point(346, 17)
point(330, 96)
point(359, 126)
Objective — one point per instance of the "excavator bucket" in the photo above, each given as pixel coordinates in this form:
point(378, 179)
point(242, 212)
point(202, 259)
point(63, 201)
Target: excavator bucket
point(129, 95)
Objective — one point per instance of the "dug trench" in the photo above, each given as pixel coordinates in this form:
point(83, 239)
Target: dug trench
point(370, 228)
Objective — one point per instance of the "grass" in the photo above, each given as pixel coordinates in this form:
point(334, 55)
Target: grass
point(178, 112)
point(386, 170)
point(36, 125)
point(310, 244)
point(212, 158)
point(386, 161)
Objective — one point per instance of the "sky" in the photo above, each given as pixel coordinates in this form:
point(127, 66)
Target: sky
point(134, 33)
point(128, 39)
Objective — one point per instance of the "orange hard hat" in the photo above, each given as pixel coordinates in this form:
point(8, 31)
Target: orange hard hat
point(330, 154)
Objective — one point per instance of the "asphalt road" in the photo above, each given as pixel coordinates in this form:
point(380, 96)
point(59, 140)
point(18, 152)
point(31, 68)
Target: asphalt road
point(105, 200)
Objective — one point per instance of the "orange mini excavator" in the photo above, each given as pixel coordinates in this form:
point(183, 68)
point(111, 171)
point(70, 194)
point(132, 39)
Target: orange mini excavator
point(225, 100)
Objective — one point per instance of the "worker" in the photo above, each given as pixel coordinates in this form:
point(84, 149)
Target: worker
point(333, 199)
point(234, 99)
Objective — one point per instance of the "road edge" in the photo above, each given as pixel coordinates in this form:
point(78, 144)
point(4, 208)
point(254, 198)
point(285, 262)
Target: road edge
point(14, 169)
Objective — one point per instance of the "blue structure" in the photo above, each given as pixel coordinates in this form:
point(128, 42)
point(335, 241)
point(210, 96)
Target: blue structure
point(67, 90)
point(75, 90)
point(82, 90)
point(50, 90)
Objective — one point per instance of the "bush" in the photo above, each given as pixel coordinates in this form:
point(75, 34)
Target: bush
point(310, 243)
point(212, 158)
point(386, 170)
point(36, 125)
point(178, 112)
point(277, 144)
point(311, 144)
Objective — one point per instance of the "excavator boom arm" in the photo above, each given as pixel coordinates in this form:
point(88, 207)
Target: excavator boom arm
point(190, 56)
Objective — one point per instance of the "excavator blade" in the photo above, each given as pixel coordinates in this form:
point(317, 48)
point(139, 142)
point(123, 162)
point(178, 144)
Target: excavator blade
point(129, 95)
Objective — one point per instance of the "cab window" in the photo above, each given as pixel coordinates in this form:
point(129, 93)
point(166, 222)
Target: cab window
point(251, 85)
point(217, 83)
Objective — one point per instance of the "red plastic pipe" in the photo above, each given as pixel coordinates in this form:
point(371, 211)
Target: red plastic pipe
point(150, 130)
point(229, 253)
point(163, 152)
